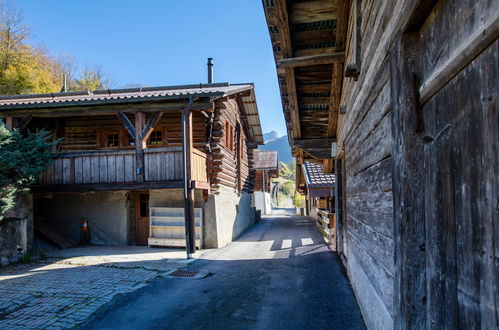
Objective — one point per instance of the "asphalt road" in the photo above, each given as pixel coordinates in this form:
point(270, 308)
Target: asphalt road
point(278, 275)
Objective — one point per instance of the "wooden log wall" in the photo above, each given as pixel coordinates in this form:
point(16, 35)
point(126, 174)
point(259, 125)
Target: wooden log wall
point(227, 168)
point(430, 259)
point(80, 133)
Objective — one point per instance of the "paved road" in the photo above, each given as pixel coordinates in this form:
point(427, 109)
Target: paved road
point(278, 275)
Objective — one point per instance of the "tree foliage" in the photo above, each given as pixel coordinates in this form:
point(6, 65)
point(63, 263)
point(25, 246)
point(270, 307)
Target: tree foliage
point(22, 159)
point(31, 70)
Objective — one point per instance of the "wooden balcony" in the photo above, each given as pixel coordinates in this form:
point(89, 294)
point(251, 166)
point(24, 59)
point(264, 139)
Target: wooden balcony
point(116, 169)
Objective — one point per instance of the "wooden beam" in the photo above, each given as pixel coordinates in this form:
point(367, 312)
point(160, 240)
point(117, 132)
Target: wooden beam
point(107, 186)
point(23, 122)
point(293, 109)
point(352, 69)
point(334, 102)
point(102, 109)
point(460, 57)
point(284, 34)
point(151, 123)
point(342, 24)
point(295, 62)
point(126, 122)
point(9, 122)
point(139, 146)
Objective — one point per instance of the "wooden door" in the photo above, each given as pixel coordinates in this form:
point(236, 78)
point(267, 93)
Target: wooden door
point(444, 126)
point(142, 217)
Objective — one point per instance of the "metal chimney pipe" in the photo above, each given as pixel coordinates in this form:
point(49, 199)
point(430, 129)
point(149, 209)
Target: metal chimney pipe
point(210, 70)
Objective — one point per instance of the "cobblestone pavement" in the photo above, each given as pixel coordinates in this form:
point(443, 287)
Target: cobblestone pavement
point(61, 294)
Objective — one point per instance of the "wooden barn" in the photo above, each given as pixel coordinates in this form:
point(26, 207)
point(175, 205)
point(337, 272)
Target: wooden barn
point(400, 100)
point(130, 161)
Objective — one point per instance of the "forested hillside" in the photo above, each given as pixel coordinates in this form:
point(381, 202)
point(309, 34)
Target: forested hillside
point(278, 143)
point(25, 69)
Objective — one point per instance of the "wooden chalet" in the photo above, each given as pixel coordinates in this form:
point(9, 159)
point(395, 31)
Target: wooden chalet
point(129, 160)
point(266, 168)
point(399, 99)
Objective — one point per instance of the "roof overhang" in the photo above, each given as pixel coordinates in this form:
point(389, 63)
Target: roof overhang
point(308, 41)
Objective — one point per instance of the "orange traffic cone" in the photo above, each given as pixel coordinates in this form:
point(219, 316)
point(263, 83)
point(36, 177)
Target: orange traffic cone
point(85, 233)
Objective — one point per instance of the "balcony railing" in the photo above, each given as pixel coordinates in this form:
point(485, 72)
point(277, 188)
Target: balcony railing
point(118, 166)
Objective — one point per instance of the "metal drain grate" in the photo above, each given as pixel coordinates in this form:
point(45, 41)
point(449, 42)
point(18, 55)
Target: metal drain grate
point(184, 273)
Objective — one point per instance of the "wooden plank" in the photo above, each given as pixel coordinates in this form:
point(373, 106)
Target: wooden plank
point(94, 169)
point(103, 169)
point(111, 168)
point(409, 204)
point(461, 56)
point(86, 170)
point(78, 170)
point(59, 174)
point(67, 170)
point(129, 168)
point(304, 61)
point(120, 168)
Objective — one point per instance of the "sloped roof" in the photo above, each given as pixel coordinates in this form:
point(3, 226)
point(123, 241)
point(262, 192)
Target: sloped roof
point(265, 160)
point(32, 104)
point(121, 95)
point(315, 176)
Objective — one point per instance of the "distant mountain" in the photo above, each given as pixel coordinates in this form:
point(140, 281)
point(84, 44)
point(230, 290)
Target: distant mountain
point(277, 143)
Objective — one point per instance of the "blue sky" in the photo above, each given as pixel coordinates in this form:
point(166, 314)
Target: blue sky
point(164, 42)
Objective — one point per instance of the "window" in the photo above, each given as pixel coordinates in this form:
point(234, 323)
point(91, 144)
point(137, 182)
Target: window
point(113, 139)
point(157, 137)
point(143, 205)
point(229, 136)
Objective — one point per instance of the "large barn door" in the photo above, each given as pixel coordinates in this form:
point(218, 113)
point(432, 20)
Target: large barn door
point(445, 91)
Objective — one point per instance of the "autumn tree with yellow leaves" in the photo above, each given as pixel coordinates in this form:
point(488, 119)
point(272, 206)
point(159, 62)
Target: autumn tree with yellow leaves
point(30, 70)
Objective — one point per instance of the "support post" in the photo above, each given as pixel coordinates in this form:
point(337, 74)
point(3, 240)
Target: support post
point(338, 195)
point(139, 146)
point(190, 242)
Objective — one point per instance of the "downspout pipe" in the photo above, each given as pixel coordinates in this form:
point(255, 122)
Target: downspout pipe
point(186, 159)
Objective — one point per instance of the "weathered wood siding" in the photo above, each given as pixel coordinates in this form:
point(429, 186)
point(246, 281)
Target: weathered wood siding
point(456, 68)
point(365, 135)
point(421, 163)
point(228, 168)
point(114, 166)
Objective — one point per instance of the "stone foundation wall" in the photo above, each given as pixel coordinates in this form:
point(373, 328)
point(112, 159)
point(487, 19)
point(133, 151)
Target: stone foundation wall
point(16, 231)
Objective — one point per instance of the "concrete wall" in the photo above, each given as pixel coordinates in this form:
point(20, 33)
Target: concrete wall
point(173, 198)
point(262, 201)
point(16, 231)
point(227, 215)
point(107, 214)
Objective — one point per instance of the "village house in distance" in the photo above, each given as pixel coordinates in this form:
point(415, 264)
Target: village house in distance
point(119, 163)
point(266, 165)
